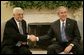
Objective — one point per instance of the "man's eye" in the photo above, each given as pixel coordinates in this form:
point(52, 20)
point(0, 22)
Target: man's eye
point(61, 12)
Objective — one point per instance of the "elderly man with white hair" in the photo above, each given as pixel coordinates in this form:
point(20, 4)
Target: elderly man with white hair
point(15, 35)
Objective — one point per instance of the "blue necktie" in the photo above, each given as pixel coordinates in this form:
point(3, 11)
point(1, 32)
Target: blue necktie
point(63, 35)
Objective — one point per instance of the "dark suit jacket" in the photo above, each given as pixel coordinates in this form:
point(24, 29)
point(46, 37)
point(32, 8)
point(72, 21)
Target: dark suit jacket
point(71, 30)
point(11, 33)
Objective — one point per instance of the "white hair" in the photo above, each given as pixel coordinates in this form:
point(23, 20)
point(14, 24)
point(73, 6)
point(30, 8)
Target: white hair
point(17, 9)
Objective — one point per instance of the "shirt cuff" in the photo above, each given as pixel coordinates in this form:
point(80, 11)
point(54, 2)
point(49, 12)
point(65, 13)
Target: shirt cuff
point(27, 36)
point(37, 38)
point(72, 44)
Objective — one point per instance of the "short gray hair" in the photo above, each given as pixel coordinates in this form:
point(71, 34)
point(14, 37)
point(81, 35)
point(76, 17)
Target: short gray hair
point(17, 9)
point(61, 7)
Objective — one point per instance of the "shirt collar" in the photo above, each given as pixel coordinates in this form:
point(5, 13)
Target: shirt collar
point(16, 21)
point(62, 21)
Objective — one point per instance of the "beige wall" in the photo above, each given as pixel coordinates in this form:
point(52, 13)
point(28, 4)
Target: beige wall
point(34, 15)
point(6, 11)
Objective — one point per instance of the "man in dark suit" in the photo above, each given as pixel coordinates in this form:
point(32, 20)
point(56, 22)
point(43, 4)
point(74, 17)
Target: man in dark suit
point(65, 31)
point(15, 35)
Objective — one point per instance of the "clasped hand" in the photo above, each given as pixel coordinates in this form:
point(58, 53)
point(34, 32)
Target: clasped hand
point(32, 38)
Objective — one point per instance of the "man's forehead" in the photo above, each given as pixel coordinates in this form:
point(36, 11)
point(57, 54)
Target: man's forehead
point(62, 9)
point(19, 12)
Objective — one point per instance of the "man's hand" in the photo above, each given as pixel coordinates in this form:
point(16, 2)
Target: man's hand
point(23, 43)
point(68, 49)
point(32, 38)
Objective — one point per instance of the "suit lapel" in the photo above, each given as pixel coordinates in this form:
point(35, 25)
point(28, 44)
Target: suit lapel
point(67, 24)
point(23, 27)
point(58, 26)
point(58, 29)
point(15, 25)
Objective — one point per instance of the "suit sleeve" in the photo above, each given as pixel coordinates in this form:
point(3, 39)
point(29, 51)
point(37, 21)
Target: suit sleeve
point(11, 33)
point(46, 37)
point(77, 36)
